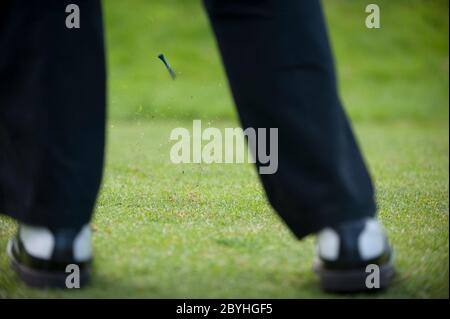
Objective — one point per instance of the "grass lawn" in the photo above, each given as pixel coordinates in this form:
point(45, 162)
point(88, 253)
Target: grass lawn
point(166, 230)
point(197, 230)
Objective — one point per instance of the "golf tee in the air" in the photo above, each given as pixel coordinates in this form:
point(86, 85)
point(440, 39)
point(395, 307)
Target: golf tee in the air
point(171, 71)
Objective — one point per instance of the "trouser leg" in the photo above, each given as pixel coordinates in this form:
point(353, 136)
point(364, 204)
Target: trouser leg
point(280, 69)
point(52, 112)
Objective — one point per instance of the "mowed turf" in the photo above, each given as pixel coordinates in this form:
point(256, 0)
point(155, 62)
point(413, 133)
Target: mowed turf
point(198, 230)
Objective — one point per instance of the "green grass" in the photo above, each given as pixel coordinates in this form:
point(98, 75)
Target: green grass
point(196, 230)
point(167, 230)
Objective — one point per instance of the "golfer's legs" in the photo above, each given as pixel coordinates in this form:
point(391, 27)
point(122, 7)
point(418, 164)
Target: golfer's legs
point(52, 112)
point(280, 69)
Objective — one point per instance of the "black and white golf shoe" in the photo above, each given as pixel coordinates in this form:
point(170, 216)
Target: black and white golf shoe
point(44, 258)
point(354, 256)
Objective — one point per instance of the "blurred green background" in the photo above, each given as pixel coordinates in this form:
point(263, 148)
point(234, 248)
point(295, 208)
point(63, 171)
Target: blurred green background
point(397, 72)
point(199, 231)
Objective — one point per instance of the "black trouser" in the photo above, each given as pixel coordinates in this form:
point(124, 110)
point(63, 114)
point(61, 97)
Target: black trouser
point(280, 70)
point(279, 65)
point(52, 112)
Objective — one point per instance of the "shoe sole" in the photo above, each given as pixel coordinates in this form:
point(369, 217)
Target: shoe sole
point(354, 280)
point(43, 279)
